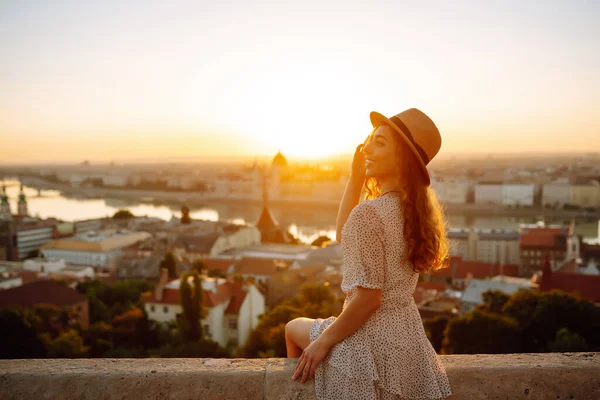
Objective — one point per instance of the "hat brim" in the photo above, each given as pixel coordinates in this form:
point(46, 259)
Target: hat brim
point(378, 119)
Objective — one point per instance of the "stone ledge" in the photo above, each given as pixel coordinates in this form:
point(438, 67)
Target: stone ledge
point(480, 376)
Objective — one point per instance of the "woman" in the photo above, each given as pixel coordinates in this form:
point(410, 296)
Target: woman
point(377, 347)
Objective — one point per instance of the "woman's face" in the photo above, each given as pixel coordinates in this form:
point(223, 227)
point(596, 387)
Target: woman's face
point(380, 153)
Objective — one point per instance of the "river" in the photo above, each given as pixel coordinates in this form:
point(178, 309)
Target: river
point(306, 223)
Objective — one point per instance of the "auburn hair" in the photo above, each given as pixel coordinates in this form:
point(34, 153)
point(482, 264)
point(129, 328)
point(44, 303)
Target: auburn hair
point(425, 224)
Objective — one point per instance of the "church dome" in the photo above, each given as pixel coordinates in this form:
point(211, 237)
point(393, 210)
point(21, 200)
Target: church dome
point(279, 161)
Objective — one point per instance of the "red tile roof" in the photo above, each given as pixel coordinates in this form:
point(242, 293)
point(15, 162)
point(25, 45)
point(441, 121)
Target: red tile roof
point(543, 237)
point(587, 285)
point(28, 276)
point(218, 264)
point(237, 298)
point(478, 269)
point(260, 266)
point(228, 291)
point(42, 291)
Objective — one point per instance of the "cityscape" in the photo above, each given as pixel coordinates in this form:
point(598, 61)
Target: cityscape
point(508, 221)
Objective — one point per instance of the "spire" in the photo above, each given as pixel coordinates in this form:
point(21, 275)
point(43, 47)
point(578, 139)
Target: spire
point(4, 204)
point(265, 191)
point(22, 205)
point(572, 227)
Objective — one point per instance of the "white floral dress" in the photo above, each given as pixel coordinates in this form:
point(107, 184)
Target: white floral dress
point(390, 356)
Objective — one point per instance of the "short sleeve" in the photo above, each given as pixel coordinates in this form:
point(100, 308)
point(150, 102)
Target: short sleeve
point(364, 250)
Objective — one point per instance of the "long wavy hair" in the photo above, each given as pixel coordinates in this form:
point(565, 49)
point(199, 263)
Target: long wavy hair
point(425, 224)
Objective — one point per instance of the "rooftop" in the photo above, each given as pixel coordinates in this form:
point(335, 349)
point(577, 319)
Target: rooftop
point(41, 291)
point(98, 243)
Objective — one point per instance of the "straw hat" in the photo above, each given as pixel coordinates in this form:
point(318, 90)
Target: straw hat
point(418, 131)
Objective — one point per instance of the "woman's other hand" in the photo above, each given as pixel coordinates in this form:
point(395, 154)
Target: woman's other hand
point(310, 359)
point(358, 163)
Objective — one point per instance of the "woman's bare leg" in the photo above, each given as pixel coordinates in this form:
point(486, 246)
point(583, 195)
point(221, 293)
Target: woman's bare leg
point(297, 336)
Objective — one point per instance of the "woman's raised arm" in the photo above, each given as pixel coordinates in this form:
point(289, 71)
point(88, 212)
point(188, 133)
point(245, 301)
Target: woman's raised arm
point(352, 192)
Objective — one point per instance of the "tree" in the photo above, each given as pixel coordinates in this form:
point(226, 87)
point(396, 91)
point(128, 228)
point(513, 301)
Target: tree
point(541, 315)
point(435, 327)
point(192, 302)
point(481, 333)
point(321, 241)
point(170, 264)
point(123, 214)
point(567, 341)
point(185, 215)
point(493, 300)
point(18, 338)
point(198, 266)
point(106, 301)
point(67, 345)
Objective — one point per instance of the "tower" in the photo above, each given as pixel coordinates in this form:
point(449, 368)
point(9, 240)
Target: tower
point(573, 244)
point(22, 205)
point(5, 212)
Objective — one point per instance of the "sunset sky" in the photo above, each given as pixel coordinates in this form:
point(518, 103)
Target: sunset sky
point(149, 80)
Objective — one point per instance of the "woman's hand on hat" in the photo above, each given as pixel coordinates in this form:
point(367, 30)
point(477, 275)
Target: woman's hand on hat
point(359, 169)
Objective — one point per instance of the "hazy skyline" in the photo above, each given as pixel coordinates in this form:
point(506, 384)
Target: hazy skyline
point(142, 80)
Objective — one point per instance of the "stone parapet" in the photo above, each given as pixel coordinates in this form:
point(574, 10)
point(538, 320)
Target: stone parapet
point(473, 377)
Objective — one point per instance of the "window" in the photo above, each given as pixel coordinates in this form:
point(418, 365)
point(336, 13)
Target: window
point(152, 308)
point(232, 324)
point(165, 309)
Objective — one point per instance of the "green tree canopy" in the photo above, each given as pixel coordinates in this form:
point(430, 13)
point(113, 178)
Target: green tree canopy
point(481, 333)
point(18, 338)
point(123, 214)
point(434, 328)
point(170, 264)
point(541, 315)
point(185, 215)
point(192, 302)
point(320, 241)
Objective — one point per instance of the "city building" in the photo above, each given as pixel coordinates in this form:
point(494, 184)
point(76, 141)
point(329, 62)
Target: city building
point(539, 241)
point(471, 297)
point(459, 272)
point(100, 250)
point(518, 194)
point(10, 280)
point(47, 292)
point(489, 193)
point(586, 286)
point(232, 308)
point(557, 193)
point(259, 269)
point(585, 193)
point(451, 190)
point(495, 246)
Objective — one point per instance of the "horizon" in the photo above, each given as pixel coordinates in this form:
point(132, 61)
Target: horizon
point(104, 82)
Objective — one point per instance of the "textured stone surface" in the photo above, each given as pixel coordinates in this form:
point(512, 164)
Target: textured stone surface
point(514, 376)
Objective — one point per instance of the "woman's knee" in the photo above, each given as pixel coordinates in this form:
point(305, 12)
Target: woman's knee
point(298, 330)
point(290, 327)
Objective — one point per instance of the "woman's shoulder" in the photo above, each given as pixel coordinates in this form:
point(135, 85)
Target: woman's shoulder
point(365, 213)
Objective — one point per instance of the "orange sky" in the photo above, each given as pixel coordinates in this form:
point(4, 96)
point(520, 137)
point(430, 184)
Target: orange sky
point(192, 79)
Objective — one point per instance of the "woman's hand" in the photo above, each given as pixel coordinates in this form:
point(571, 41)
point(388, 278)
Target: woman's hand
point(311, 357)
point(358, 163)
